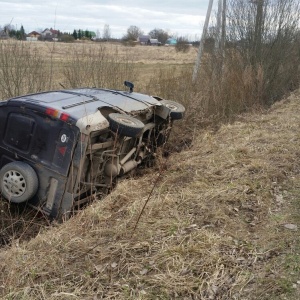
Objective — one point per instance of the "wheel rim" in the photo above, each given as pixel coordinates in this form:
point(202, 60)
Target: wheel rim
point(126, 121)
point(171, 106)
point(14, 183)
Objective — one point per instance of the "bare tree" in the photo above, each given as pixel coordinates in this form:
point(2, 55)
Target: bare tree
point(98, 34)
point(261, 57)
point(133, 32)
point(106, 32)
point(159, 34)
point(264, 33)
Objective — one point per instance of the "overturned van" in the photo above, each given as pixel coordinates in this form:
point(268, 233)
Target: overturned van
point(60, 149)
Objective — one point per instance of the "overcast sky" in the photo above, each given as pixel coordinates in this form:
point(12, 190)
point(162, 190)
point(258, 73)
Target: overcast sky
point(181, 17)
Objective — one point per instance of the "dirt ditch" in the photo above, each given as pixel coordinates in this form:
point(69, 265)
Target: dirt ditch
point(19, 223)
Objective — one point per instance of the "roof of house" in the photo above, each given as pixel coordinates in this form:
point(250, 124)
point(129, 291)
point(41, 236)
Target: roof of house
point(3, 34)
point(53, 31)
point(171, 41)
point(34, 33)
point(144, 38)
point(154, 41)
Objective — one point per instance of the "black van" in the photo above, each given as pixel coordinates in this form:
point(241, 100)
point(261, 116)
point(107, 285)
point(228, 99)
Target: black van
point(59, 149)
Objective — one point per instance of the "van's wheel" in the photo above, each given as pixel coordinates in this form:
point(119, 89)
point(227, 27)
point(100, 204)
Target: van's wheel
point(125, 125)
point(18, 182)
point(176, 109)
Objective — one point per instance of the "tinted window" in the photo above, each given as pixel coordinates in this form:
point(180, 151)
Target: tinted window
point(19, 131)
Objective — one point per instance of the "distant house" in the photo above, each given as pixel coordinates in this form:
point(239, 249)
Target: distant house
point(147, 40)
point(50, 34)
point(154, 42)
point(33, 36)
point(144, 39)
point(171, 42)
point(3, 35)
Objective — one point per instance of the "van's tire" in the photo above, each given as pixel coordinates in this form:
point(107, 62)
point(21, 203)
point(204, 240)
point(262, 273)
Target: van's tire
point(176, 109)
point(18, 182)
point(125, 125)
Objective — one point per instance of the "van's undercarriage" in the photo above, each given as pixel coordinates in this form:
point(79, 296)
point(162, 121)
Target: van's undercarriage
point(102, 157)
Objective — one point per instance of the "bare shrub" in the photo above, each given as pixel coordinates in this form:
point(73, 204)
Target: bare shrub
point(182, 45)
point(259, 64)
point(66, 38)
point(233, 90)
point(176, 84)
point(264, 34)
point(97, 66)
point(129, 43)
point(22, 69)
point(257, 67)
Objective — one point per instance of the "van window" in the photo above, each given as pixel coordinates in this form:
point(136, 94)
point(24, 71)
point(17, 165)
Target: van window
point(19, 131)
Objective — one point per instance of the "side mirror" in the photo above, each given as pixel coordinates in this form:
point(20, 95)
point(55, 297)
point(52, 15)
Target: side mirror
point(130, 85)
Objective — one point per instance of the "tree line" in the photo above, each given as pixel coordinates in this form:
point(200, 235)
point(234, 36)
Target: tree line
point(131, 35)
point(19, 34)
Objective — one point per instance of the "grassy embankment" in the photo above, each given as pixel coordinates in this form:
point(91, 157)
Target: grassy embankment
point(216, 225)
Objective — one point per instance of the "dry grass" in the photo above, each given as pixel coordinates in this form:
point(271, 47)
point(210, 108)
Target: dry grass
point(55, 60)
point(213, 228)
point(139, 54)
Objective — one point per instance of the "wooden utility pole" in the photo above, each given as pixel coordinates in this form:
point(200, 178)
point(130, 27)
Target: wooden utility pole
point(221, 27)
point(204, 33)
point(223, 31)
point(259, 24)
point(220, 34)
point(218, 27)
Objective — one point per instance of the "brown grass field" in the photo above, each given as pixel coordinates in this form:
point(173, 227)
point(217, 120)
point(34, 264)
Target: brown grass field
point(138, 53)
point(148, 67)
point(221, 220)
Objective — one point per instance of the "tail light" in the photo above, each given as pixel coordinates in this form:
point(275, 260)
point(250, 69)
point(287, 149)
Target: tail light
point(62, 150)
point(54, 113)
point(64, 117)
